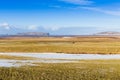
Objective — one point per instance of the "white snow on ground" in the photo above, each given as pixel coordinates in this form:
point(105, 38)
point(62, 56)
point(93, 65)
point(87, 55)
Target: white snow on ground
point(64, 56)
point(51, 58)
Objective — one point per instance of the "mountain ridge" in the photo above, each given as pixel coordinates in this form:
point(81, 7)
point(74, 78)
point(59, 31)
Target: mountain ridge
point(108, 33)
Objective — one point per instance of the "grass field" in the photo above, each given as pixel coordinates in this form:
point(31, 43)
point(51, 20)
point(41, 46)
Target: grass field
point(77, 45)
point(16, 57)
point(80, 70)
point(83, 70)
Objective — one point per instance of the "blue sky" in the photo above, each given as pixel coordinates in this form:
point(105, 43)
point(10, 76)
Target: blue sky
point(87, 16)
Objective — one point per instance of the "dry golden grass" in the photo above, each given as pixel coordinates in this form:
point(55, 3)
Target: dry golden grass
point(78, 45)
point(84, 70)
point(16, 57)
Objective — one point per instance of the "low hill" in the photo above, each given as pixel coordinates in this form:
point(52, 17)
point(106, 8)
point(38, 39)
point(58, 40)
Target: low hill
point(33, 34)
point(108, 33)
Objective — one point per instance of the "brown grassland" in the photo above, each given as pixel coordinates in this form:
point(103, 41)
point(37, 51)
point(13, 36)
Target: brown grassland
point(77, 45)
point(83, 70)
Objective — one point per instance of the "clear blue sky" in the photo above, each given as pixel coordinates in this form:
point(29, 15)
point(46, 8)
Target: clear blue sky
point(55, 14)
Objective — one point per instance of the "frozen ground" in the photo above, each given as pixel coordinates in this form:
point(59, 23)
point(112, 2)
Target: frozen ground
point(50, 58)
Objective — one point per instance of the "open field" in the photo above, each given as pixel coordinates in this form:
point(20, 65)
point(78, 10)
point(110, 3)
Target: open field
point(83, 70)
point(33, 69)
point(16, 57)
point(77, 45)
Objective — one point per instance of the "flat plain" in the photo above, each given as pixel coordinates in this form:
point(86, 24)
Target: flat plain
point(83, 70)
point(80, 70)
point(72, 45)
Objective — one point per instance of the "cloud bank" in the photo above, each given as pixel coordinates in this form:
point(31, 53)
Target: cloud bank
point(110, 12)
point(5, 26)
point(78, 2)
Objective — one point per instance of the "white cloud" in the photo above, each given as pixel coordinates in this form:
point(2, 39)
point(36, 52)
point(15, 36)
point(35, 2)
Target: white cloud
point(110, 12)
point(5, 25)
point(78, 2)
point(53, 28)
point(32, 27)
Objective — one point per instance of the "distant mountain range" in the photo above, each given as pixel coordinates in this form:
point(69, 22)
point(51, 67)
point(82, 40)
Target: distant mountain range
point(108, 33)
point(33, 34)
point(7, 29)
point(53, 31)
